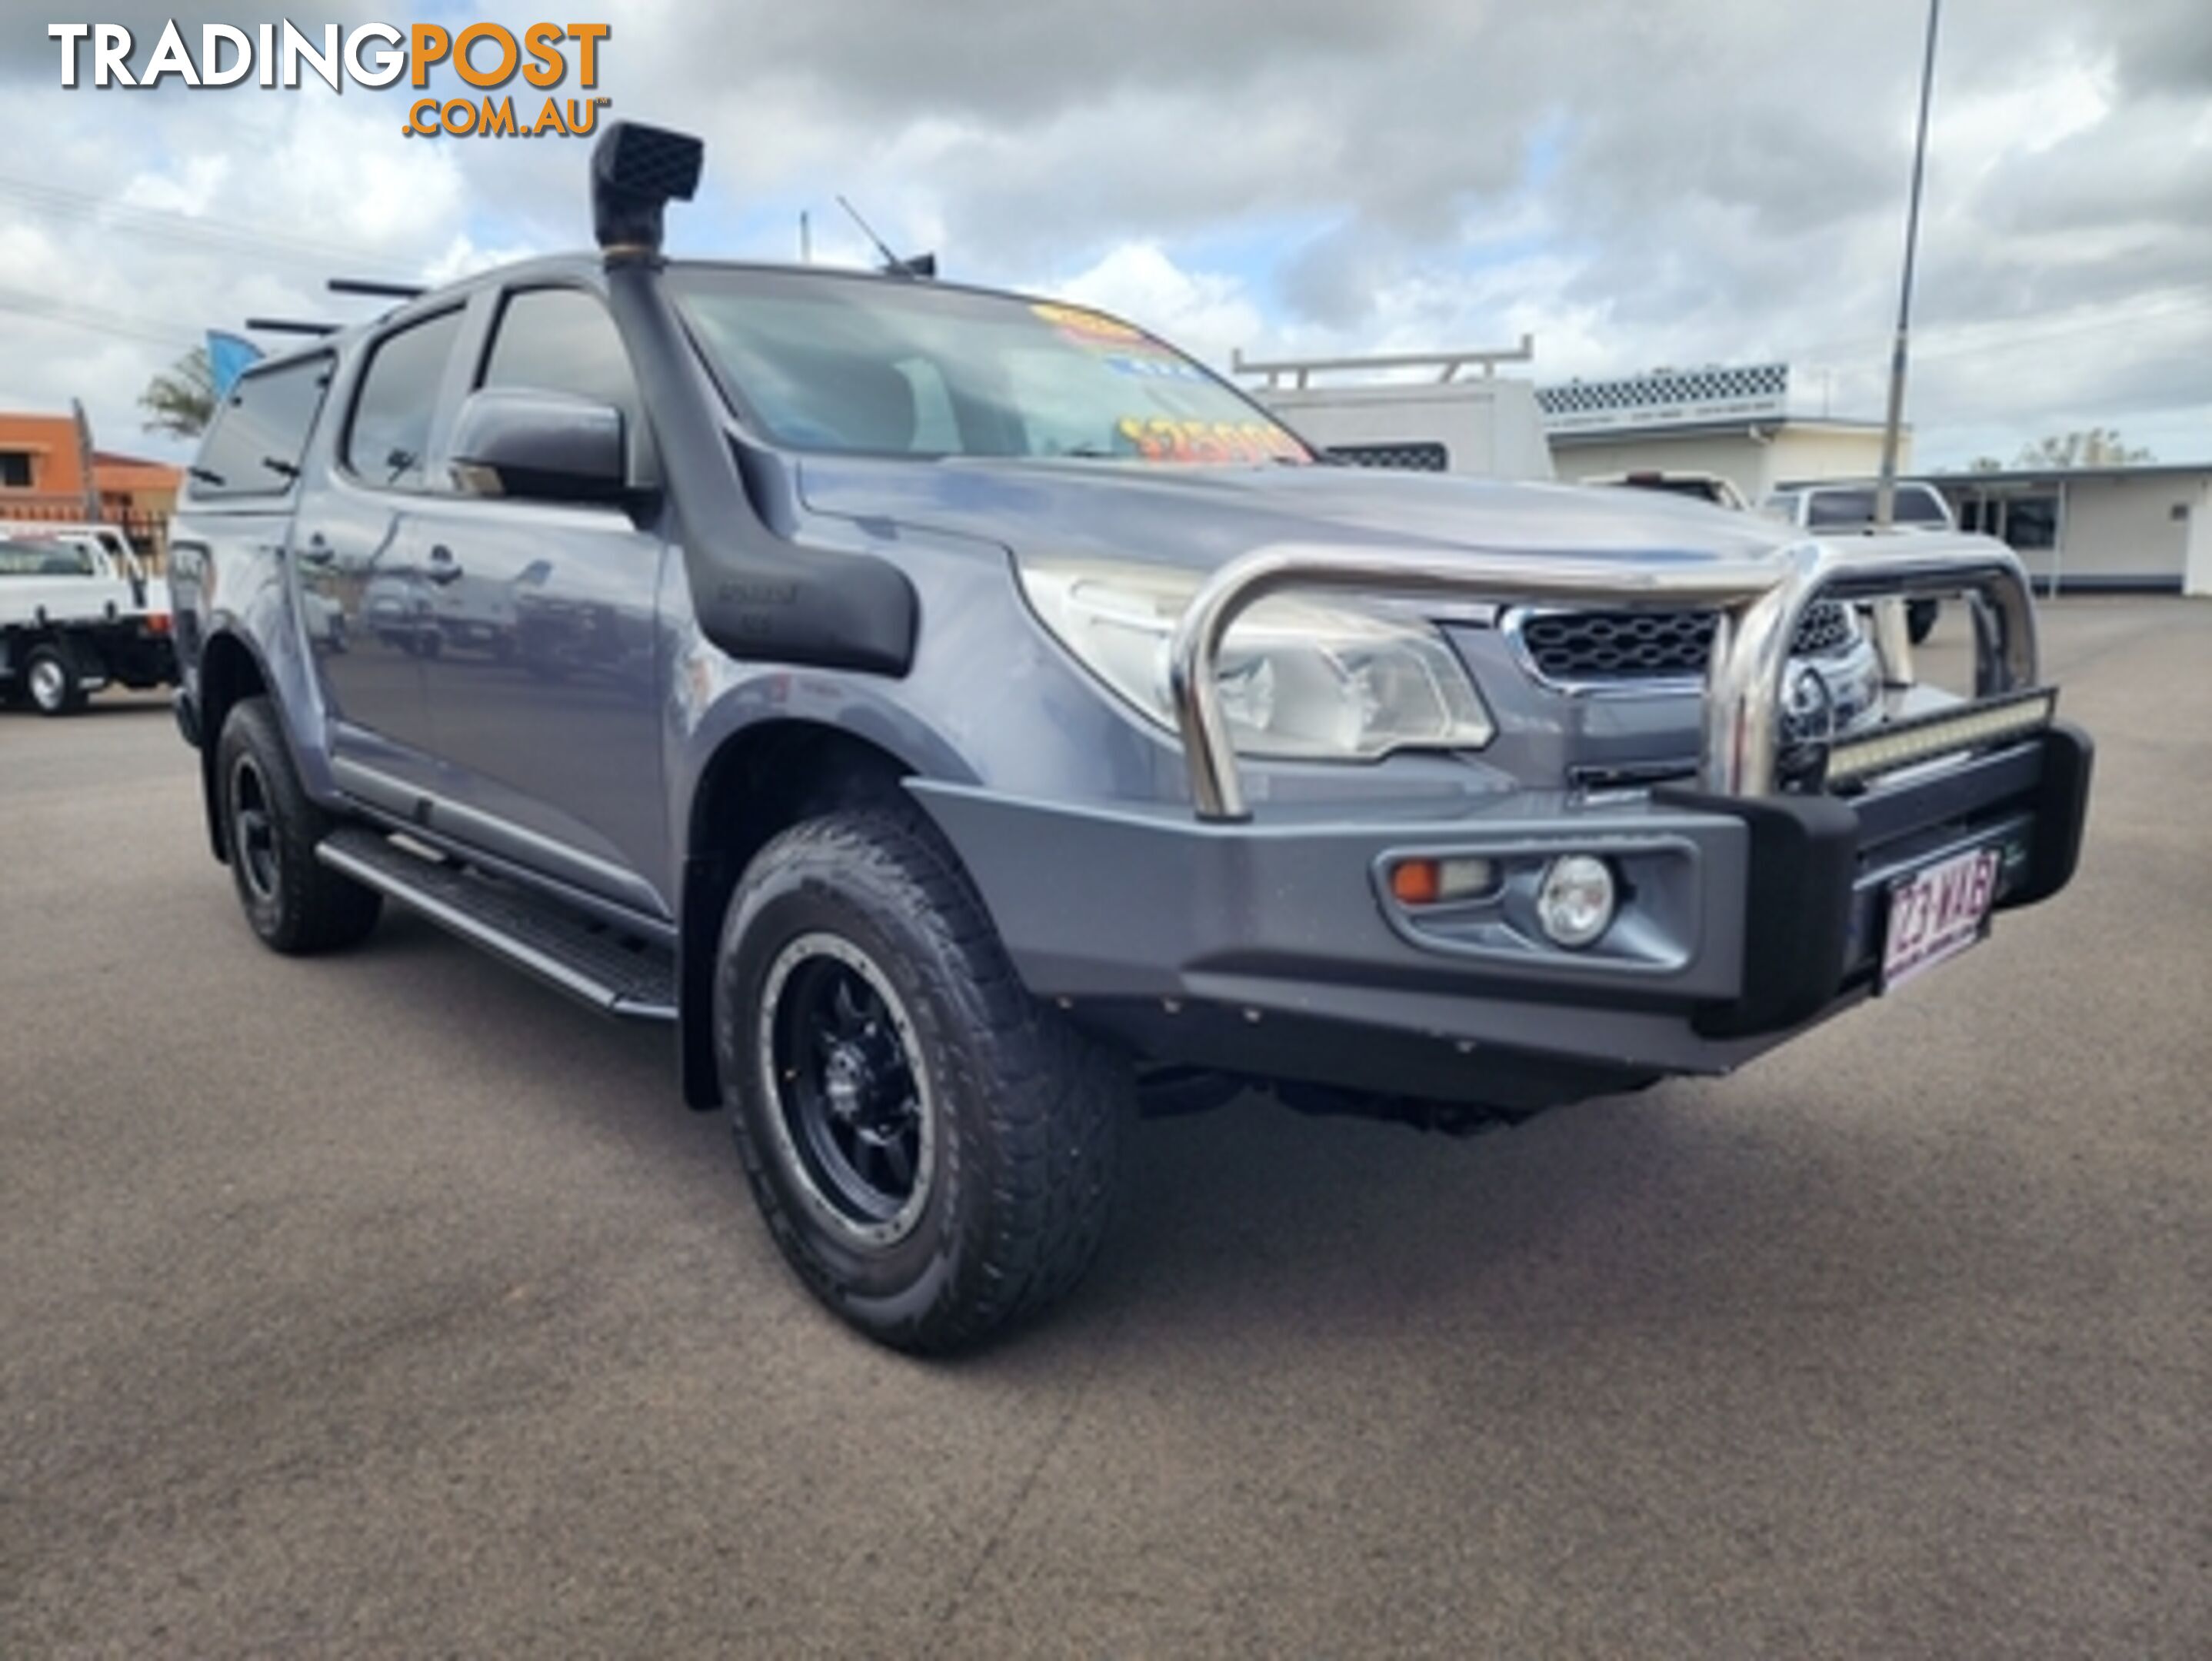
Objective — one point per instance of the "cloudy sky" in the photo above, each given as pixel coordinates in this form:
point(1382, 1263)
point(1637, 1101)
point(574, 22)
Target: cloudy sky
point(1633, 182)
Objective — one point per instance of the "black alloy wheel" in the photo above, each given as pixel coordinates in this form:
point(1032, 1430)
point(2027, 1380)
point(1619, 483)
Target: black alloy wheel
point(294, 902)
point(253, 829)
point(934, 1148)
point(837, 1047)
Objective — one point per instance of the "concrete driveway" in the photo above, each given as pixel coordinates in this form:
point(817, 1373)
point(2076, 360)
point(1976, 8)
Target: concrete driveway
point(388, 1304)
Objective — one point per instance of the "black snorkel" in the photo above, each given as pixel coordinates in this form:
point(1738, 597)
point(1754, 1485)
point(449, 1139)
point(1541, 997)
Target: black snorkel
point(757, 594)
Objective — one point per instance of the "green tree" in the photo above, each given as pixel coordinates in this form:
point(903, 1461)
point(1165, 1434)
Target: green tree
point(2099, 446)
point(181, 399)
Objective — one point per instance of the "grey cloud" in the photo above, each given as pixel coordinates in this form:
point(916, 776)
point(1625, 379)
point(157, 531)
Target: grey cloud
point(1706, 180)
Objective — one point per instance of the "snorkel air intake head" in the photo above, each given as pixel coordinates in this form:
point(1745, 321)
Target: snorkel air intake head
point(636, 170)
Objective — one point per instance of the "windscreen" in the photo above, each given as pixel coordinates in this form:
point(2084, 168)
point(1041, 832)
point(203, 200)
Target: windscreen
point(34, 559)
point(839, 363)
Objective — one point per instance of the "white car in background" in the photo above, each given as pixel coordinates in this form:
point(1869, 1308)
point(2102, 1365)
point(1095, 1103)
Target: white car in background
point(1847, 508)
point(74, 617)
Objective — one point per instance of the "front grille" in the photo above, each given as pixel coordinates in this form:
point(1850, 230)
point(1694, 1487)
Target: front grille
point(1640, 645)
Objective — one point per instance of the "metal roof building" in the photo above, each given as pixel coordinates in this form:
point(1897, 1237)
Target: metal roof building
point(1730, 419)
point(2142, 527)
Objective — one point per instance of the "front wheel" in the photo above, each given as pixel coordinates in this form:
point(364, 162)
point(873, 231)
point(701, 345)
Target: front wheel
point(935, 1150)
point(50, 677)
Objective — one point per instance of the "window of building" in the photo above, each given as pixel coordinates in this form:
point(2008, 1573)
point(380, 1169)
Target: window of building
point(2031, 523)
point(388, 440)
point(15, 469)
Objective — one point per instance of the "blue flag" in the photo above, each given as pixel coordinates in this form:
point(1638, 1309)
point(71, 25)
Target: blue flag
point(229, 356)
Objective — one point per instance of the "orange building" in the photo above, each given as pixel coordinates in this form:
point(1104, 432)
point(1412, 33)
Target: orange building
point(43, 463)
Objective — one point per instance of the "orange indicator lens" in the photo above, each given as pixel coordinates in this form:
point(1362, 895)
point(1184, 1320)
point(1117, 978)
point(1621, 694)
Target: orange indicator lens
point(1414, 882)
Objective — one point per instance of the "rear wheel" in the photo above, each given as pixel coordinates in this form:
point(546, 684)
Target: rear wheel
point(1920, 619)
point(935, 1150)
point(52, 682)
point(296, 904)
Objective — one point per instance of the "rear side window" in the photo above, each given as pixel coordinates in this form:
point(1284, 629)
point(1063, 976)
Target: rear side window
point(388, 440)
point(254, 447)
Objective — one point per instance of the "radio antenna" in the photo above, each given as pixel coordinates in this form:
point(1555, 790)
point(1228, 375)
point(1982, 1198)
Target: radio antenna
point(868, 230)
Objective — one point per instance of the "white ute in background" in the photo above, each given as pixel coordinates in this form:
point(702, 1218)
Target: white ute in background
point(78, 612)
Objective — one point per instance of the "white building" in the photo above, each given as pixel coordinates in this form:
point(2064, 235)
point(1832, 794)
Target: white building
point(2147, 526)
point(1732, 421)
point(2138, 527)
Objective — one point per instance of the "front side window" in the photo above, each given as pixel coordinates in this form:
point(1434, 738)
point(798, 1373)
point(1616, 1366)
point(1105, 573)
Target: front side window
point(839, 363)
point(388, 440)
point(562, 340)
point(254, 446)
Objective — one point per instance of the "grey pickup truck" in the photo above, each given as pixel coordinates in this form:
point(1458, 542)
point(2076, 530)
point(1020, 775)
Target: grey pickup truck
point(963, 716)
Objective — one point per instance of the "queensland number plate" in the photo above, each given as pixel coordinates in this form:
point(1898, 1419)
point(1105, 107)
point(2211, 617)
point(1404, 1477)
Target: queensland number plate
point(1937, 913)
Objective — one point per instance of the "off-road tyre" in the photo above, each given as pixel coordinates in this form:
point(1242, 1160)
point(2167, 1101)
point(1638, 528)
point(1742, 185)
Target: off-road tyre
point(1028, 1113)
point(52, 682)
point(1920, 617)
point(294, 902)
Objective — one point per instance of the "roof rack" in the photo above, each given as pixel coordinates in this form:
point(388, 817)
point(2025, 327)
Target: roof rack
point(291, 326)
point(1447, 364)
point(381, 290)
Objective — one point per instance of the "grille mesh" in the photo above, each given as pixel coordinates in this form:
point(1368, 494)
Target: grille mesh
point(1634, 645)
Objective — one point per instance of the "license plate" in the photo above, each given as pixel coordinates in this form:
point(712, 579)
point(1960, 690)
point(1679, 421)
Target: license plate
point(1937, 913)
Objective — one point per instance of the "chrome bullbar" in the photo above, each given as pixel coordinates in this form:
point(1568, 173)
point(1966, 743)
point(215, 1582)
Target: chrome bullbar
point(1759, 605)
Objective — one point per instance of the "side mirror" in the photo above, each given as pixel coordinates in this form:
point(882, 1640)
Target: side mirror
point(544, 446)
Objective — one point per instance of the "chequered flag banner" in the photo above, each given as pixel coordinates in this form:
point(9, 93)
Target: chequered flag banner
point(1676, 395)
point(1415, 456)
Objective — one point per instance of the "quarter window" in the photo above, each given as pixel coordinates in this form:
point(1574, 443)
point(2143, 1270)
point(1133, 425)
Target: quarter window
point(254, 446)
point(388, 440)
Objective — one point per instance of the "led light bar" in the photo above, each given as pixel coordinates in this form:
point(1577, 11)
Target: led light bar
point(1991, 721)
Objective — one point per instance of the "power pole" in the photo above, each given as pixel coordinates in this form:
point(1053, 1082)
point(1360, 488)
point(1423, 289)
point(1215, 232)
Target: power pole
point(1885, 498)
point(84, 461)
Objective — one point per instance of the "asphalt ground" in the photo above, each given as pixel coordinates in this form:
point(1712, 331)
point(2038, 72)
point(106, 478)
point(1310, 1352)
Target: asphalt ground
point(388, 1304)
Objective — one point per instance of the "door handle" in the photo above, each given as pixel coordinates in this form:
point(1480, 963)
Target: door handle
point(444, 568)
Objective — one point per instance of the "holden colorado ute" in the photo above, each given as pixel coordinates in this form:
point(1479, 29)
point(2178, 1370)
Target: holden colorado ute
point(962, 715)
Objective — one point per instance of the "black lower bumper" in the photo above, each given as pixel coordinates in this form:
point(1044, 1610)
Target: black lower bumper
point(1270, 948)
point(1821, 864)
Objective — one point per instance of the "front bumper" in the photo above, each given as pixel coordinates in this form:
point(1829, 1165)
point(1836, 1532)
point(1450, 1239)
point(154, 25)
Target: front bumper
point(1746, 918)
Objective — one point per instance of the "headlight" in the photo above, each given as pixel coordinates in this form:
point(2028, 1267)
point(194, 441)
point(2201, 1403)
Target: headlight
point(1299, 677)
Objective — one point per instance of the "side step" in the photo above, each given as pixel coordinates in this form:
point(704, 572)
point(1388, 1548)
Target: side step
point(585, 958)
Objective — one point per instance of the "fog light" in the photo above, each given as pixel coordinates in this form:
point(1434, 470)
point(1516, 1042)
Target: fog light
point(1575, 901)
